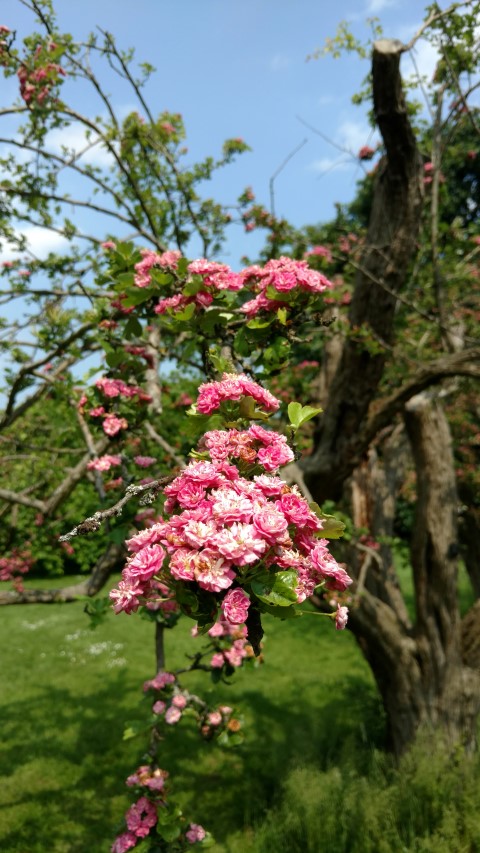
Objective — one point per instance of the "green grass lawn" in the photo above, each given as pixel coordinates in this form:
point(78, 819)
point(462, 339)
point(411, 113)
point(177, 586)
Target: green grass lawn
point(66, 692)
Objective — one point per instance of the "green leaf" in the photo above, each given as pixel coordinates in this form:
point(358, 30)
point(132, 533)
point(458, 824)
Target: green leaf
point(124, 278)
point(133, 329)
point(294, 410)
point(138, 297)
point(169, 832)
point(279, 296)
point(298, 414)
point(187, 313)
point(277, 589)
point(133, 728)
point(291, 612)
point(193, 286)
point(113, 359)
point(332, 527)
point(259, 323)
point(282, 316)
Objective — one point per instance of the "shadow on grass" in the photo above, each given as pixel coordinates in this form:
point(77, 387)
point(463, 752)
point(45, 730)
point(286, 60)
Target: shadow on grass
point(63, 762)
point(233, 789)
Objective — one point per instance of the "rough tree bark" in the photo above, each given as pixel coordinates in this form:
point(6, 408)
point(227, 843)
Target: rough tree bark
point(111, 561)
point(390, 245)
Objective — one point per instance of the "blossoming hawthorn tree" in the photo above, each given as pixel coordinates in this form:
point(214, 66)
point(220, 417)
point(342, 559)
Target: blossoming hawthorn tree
point(154, 302)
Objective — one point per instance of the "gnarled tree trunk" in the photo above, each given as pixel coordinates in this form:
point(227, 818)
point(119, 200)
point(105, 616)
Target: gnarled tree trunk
point(424, 676)
point(422, 671)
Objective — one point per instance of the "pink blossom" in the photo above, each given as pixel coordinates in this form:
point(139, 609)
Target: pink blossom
point(218, 276)
point(366, 153)
point(178, 301)
point(126, 596)
point(322, 560)
point(182, 564)
point(341, 618)
point(240, 543)
point(149, 536)
point(172, 715)
point(273, 457)
point(140, 817)
point(195, 833)
point(212, 571)
point(160, 681)
point(233, 387)
point(149, 778)
point(235, 606)
point(179, 701)
point(159, 707)
point(145, 563)
point(217, 660)
point(104, 463)
point(236, 654)
point(297, 511)
point(271, 524)
point(320, 252)
point(124, 842)
point(144, 461)
point(97, 413)
point(112, 425)
point(108, 244)
point(214, 718)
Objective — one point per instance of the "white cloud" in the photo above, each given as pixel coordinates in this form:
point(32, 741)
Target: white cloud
point(351, 135)
point(375, 6)
point(330, 164)
point(40, 241)
point(426, 57)
point(73, 138)
point(279, 62)
point(325, 100)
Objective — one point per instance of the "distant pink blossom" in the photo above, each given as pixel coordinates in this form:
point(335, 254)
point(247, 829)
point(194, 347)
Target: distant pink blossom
point(195, 833)
point(104, 463)
point(172, 715)
point(124, 842)
point(144, 461)
point(112, 425)
point(341, 618)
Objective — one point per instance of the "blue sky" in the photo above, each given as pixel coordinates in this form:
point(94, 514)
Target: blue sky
point(239, 69)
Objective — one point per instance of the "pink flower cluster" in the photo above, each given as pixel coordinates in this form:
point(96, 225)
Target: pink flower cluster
point(232, 387)
point(14, 564)
point(221, 525)
point(319, 252)
point(167, 260)
point(118, 388)
point(255, 445)
point(195, 833)
point(144, 461)
point(149, 777)
point(214, 275)
point(284, 275)
point(35, 85)
point(366, 152)
point(104, 463)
